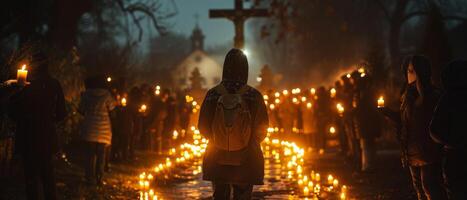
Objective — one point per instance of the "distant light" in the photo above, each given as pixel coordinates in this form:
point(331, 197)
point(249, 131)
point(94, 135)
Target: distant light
point(246, 52)
point(109, 79)
point(259, 79)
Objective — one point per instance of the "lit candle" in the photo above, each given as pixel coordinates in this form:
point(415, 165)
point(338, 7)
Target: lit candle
point(342, 196)
point(22, 75)
point(306, 191)
point(143, 108)
point(272, 106)
point(317, 177)
point(340, 109)
point(380, 102)
point(309, 105)
point(109, 79)
point(333, 92)
point(335, 183)
point(330, 179)
point(332, 130)
point(313, 91)
point(123, 101)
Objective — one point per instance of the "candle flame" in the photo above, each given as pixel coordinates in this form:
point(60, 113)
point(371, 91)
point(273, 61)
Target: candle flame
point(23, 67)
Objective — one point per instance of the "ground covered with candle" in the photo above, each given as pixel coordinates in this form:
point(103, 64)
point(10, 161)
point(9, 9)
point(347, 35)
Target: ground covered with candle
point(291, 172)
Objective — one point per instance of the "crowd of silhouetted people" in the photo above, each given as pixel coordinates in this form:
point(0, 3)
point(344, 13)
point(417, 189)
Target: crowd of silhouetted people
point(429, 121)
point(114, 123)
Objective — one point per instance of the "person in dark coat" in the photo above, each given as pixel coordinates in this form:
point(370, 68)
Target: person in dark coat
point(422, 154)
point(36, 110)
point(322, 116)
point(251, 172)
point(448, 128)
point(367, 123)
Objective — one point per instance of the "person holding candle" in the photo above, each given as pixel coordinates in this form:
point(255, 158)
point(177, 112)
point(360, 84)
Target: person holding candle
point(96, 132)
point(420, 152)
point(448, 128)
point(232, 168)
point(36, 109)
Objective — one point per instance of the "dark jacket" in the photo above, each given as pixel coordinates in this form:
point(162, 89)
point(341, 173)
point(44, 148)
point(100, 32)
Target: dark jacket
point(367, 120)
point(252, 171)
point(36, 110)
point(449, 120)
point(416, 113)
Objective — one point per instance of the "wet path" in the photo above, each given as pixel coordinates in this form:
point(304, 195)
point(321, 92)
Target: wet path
point(286, 175)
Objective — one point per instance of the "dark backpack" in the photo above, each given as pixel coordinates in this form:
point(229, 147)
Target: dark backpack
point(231, 126)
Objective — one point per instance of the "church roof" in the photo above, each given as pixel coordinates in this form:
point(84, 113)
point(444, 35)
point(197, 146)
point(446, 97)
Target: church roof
point(209, 68)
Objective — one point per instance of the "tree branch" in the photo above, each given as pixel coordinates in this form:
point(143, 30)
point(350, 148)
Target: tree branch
point(148, 10)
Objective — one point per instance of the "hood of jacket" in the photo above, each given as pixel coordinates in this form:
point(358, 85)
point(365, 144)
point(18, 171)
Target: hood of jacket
point(235, 67)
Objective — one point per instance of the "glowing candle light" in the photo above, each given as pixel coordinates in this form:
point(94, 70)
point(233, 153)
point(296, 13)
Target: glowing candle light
point(313, 91)
point(303, 99)
point(175, 134)
point(295, 100)
point(277, 94)
point(332, 130)
point(265, 97)
point(348, 75)
point(340, 109)
point(342, 196)
point(109, 79)
point(335, 183)
point(285, 92)
point(317, 177)
point(21, 75)
point(300, 182)
point(123, 102)
point(380, 102)
point(272, 106)
point(309, 105)
point(277, 101)
point(143, 108)
point(330, 179)
point(306, 191)
point(310, 184)
point(333, 92)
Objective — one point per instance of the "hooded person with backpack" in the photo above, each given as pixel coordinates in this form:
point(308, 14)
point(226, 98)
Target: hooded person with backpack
point(234, 119)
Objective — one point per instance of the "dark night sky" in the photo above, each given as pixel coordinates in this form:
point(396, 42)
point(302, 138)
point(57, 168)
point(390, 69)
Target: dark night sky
point(217, 31)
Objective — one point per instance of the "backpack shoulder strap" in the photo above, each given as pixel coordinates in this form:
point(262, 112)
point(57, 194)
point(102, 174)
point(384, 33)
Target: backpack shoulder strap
point(221, 89)
point(243, 89)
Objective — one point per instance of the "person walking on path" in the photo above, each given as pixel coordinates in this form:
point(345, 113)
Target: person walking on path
point(234, 118)
point(96, 103)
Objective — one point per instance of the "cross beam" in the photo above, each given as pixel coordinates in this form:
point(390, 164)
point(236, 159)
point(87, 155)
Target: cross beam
point(238, 16)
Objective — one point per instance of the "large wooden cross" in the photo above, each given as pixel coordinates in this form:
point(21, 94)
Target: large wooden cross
point(238, 16)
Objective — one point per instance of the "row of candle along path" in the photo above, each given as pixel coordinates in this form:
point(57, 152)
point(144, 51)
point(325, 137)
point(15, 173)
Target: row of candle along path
point(177, 159)
point(305, 182)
